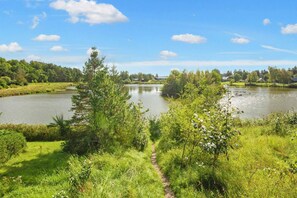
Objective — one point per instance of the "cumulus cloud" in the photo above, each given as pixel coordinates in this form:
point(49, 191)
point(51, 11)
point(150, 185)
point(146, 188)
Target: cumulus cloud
point(89, 11)
point(90, 50)
point(44, 37)
point(58, 48)
point(167, 54)
point(289, 29)
point(33, 57)
point(189, 38)
point(266, 21)
point(12, 47)
point(240, 40)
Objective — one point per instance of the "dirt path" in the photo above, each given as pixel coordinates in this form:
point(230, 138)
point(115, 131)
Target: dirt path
point(166, 184)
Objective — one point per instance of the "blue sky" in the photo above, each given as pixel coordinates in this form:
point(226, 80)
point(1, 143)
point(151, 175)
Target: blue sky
point(152, 36)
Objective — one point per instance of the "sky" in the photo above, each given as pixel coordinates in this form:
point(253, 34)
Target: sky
point(152, 36)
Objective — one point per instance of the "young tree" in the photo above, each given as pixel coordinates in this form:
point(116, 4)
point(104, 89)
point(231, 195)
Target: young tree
point(102, 110)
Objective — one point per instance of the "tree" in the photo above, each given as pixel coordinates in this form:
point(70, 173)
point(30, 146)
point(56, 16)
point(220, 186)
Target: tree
point(253, 77)
point(237, 77)
point(102, 110)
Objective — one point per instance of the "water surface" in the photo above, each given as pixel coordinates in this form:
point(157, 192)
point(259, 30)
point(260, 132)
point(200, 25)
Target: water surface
point(257, 102)
point(40, 108)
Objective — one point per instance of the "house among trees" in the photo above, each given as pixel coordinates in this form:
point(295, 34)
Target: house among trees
point(161, 77)
point(294, 79)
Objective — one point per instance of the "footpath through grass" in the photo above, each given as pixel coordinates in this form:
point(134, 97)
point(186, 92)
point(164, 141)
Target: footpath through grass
point(43, 171)
point(34, 88)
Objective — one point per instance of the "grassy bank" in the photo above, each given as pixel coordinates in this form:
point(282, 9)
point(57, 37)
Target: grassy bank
point(34, 88)
point(244, 84)
point(43, 170)
point(261, 165)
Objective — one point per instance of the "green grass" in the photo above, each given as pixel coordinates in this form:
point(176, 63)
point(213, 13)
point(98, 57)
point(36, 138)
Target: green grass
point(34, 88)
point(244, 84)
point(258, 167)
point(44, 172)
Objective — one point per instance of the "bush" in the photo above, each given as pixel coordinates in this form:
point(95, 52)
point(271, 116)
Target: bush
point(81, 141)
point(155, 129)
point(11, 143)
point(34, 132)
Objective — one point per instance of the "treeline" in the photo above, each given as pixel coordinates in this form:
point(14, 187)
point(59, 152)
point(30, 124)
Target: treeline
point(15, 72)
point(175, 84)
point(139, 77)
point(271, 75)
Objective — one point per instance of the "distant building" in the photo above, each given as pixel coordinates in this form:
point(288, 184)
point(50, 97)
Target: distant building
point(161, 77)
point(294, 79)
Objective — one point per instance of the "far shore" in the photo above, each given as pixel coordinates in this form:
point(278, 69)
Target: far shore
point(35, 88)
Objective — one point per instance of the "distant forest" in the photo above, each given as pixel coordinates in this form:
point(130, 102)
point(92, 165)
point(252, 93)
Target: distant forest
point(20, 72)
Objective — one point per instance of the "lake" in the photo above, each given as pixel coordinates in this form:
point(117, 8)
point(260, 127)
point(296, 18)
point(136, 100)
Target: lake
point(33, 109)
point(40, 108)
point(257, 102)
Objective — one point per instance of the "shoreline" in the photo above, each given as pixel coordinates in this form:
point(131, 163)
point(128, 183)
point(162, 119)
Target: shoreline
point(35, 88)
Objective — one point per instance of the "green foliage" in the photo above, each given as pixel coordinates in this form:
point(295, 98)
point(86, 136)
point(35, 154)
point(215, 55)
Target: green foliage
point(101, 107)
point(154, 128)
point(34, 132)
point(260, 166)
point(63, 125)
point(11, 144)
point(80, 141)
point(175, 84)
point(216, 130)
point(22, 72)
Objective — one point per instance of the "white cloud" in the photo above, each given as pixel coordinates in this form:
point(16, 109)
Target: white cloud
point(35, 22)
point(12, 47)
point(278, 49)
point(90, 50)
point(44, 37)
point(167, 54)
point(58, 48)
point(33, 3)
point(33, 58)
point(89, 11)
point(266, 21)
point(240, 40)
point(214, 63)
point(189, 38)
point(290, 29)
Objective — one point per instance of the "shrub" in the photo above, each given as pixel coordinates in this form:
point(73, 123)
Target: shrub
point(81, 141)
point(34, 132)
point(11, 143)
point(154, 129)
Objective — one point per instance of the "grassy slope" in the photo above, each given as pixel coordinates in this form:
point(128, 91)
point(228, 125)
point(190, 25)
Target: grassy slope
point(33, 88)
point(257, 168)
point(44, 172)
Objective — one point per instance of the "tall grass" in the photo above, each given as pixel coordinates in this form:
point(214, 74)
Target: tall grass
point(43, 170)
point(260, 166)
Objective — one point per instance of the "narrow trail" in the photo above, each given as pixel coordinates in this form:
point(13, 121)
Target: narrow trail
point(166, 184)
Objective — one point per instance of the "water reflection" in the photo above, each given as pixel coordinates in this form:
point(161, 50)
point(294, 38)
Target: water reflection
point(150, 96)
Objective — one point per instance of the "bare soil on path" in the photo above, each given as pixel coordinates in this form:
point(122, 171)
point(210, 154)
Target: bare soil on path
point(166, 184)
